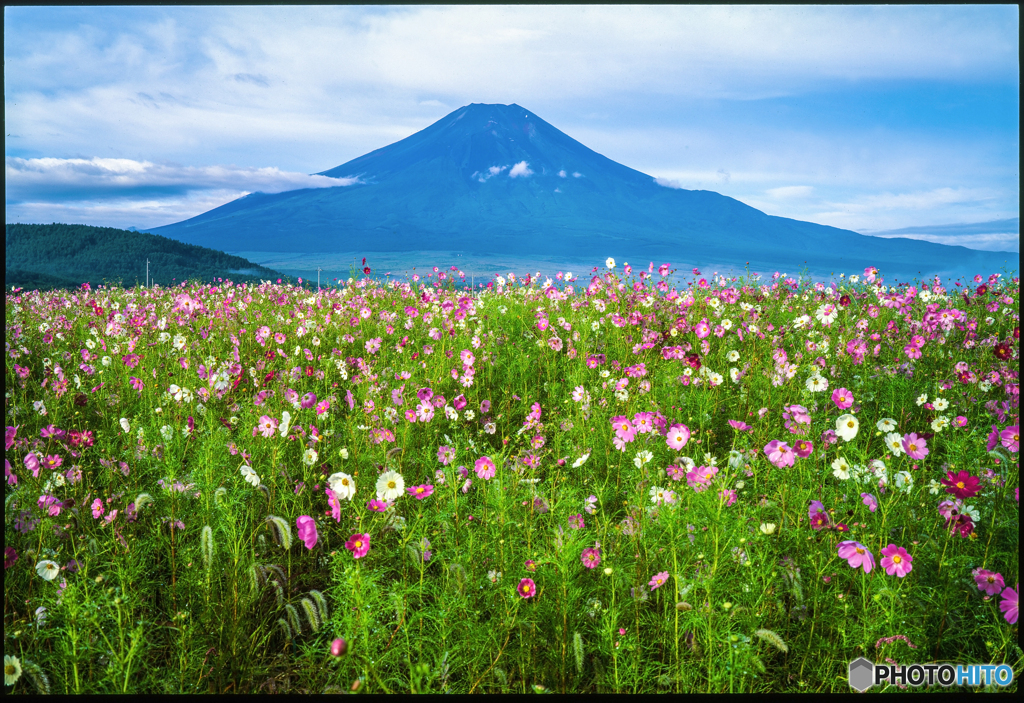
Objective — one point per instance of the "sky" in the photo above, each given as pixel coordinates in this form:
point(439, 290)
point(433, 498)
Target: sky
point(888, 120)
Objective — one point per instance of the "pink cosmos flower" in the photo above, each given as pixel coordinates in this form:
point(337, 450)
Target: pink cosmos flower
point(1010, 438)
point(576, 521)
point(1009, 604)
point(323, 406)
point(658, 580)
point(267, 426)
point(445, 454)
point(485, 468)
point(869, 500)
point(9, 434)
point(527, 588)
point(10, 556)
point(993, 438)
point(678, 436)
point(420, 492)
point(915, 447)
point(97, 508)
point(624, 429)
point(988, 581)
point(307, 530)
point(896, 561)
point(960, 421)
point(780, 454)
point(843, 398)
point(740, 425)
point(52, 461)
point(702, 328)
point(358, 544)
point(335, 503)
point(459, 402)
point(32, 464)
point(728, 495)
point(857, 555)
point(591, 557)
point(308, 400)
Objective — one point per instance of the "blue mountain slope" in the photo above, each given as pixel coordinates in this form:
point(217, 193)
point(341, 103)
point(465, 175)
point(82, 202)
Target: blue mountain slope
point(498, 179)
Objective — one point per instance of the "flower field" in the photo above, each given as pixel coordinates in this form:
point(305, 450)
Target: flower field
point(623, 481)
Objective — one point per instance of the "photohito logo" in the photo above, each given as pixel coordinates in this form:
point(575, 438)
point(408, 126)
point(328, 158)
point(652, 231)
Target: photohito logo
point(864, 674)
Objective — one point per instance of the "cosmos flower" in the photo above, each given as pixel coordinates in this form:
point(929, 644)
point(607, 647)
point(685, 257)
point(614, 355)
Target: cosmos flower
point(591, 557)
point(343, 485)
point(847, 426)
point(857, 555)
point(658, 580)
point(390, 486)
point(896, 561)
point(358, 544)
point(527, 588)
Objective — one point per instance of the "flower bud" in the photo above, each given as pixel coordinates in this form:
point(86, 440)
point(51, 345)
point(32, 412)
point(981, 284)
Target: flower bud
point(338, 647)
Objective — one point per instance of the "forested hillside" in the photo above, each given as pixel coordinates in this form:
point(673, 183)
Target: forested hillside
point(62, 256)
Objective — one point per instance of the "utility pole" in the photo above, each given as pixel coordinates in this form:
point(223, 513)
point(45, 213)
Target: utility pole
point(318, 270)
point(147, 273)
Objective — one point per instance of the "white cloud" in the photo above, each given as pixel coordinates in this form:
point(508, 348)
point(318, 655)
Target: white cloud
point(786, 192)
point(996, 241)
point(561, 174)
point(521, 169)
point(73, 179)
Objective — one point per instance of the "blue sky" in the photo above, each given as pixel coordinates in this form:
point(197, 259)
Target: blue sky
point(868, 118)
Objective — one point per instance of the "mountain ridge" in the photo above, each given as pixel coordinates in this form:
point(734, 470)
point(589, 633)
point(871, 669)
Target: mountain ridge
point(498, 179)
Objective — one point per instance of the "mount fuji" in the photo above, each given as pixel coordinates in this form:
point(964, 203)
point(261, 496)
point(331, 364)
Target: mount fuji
point(498, 180)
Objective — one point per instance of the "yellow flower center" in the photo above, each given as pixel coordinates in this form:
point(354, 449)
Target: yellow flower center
point(9, 670)
point(526, 588)
point(391, 484)
point(859, 550)
point(960, 484)
point(359, 544)
point(419, 489)
point(896, 559)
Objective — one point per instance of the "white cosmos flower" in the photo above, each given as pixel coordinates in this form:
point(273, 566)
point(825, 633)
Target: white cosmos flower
point(715, 379)
point(940, 404)
point(125, 425)
point(642, 458)
point(91, 344)
point(579, 462)
point(179, 342)
point(940, 423)
point(894, 441)
point(904, 481)
point(344, 452)
point(657, 494)
point(847, 426)
point(12, 670)
point(922, 399)
point(886, 425)
point(48, 569)
point(734, 356)
point(610, 262)
point(249, 475)
point(168, 432)
point(817, 383)
point(768, 528)
point(827, 314)
point(390, 486)
point(309, 457)
point(343, 485)
point(841, 469)
point(106, 361)
point(176, 392)
point(734, 374)
point(286, 421)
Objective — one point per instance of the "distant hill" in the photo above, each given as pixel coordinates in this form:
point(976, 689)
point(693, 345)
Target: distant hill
point(497, 179)
point(65, 256)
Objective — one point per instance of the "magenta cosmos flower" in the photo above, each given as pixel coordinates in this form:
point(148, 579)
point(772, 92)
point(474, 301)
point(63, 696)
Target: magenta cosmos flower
point(803, 448)
point(307, 530)
point(1009, 604)
point(961, 484)
point(358, 544)
point(857, 555)
point(988, 581)
point(842, 398)
point(869, 500)
point(658, 580)
point(896, 561)
point(678, 436)
point(740, 425)
point(527, 588)
point(915, 447)
point(591, 557)
point(485, 468)
point(420, 492)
